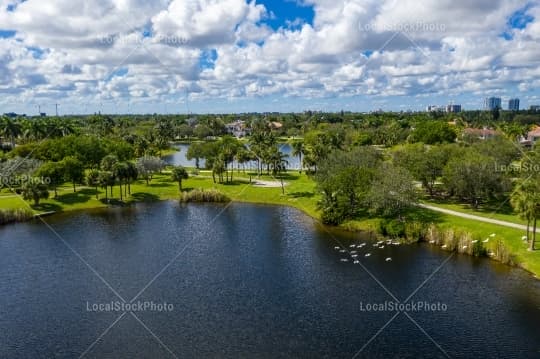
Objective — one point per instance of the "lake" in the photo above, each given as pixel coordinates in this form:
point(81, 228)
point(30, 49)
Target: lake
point(248, 281)
point(179, 158)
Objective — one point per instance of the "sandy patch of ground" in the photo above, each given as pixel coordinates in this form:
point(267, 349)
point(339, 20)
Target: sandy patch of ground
point(268, 184)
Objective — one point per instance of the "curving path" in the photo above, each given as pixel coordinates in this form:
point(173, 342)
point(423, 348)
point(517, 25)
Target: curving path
point(476, 218)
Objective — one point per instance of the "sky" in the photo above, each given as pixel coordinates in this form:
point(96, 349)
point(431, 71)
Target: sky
point(225, 56)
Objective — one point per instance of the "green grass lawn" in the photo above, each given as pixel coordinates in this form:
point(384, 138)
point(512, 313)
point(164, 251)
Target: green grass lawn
point(299, 193)
point(496, 210)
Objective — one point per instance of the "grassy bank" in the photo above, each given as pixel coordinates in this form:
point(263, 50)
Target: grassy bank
point(300, 193)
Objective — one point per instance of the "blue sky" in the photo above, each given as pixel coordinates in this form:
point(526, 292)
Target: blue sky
point(269, 55)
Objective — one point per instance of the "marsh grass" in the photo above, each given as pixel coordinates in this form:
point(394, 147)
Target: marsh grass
point(204, 196)
point(15, 215)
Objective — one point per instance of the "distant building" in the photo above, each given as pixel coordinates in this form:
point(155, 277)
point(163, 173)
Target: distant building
point(535, 108)
point(513, 104)
point(453, 108)
point(534, 135)
point(480, 133)
point(42, 114)
point(275, 125)
point(492, 103)
point(238, 128)
point(433, 108)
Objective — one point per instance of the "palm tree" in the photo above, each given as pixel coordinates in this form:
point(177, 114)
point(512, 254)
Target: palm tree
point(34, 189)
point(10, 129)
point(179, 173)
point(93, 180)
point(120, 171)
point(526, 202)
point(298, 150)
point(279, 163)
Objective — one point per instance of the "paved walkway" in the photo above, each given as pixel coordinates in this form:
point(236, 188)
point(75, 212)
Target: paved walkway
point(477, 218)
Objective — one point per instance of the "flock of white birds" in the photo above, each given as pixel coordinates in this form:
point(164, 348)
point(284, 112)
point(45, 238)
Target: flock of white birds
point(354, 250)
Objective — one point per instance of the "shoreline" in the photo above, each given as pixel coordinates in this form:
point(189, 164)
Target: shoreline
point(347, 227)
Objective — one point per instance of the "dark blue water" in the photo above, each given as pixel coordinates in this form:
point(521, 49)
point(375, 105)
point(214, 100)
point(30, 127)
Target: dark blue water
point(251, 282)
point(179, 158)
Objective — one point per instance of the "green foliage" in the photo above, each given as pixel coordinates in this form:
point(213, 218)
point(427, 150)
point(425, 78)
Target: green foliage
point(54, 172)
point(344, 179)
point(179, 174)
point(425, 163)
point(474, 177)
point(34, 189)
point(393, 228)
point(204, 196)
point(12, 215)
point(432, 132)
point(392, 192)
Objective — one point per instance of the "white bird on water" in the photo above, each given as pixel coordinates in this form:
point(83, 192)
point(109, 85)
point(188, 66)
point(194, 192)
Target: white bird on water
point(344, 260)
point(432, 242)
point(389, 259)
point(475, 241)
point(464, 247)
point(356, 262)
point(444, 246)
point(352, 246)
point(487, 240)
point(336, 247)
point(368, 254)
point(381, 247)
point(354, 255)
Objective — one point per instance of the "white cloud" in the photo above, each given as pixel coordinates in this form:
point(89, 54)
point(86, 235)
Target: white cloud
point(141, 50)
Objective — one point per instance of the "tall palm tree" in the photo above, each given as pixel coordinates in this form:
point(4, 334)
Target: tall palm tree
point(298, 150)
point(526, 202)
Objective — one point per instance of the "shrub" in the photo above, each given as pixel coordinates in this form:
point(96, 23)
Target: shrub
point(392, 228)
point(15, 215)
point(202, 196)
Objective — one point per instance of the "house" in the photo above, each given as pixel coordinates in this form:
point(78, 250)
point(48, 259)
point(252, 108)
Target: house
point(532, 137)
point(275, 125)
point(480, 133)
point(238, 128)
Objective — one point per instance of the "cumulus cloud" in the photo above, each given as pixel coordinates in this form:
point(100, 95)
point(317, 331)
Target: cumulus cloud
point(137, 50)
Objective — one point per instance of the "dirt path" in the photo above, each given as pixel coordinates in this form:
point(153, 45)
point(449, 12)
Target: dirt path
point(476, 218)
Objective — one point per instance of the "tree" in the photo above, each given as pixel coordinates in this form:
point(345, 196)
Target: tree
point(54, 172)
point(10, 128)
point(344, 180)
point(424, 163)
point(432, 132)
point(279, 163)
point(196, 152)
point(120, 171)
point(522, 203)
point(34, 189)
point(392, 191)
point(132, 175)
point(73, 171)
point(474, 177)
point(179, 173)
point(106, 179)
point(93, 180)
point(108, 162)
point(147, 166)
point(298, 150)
